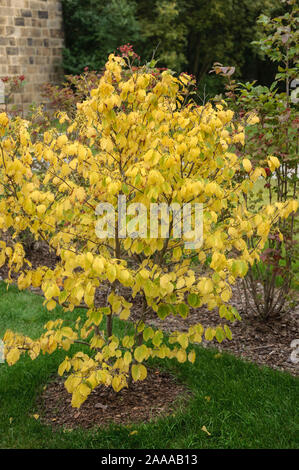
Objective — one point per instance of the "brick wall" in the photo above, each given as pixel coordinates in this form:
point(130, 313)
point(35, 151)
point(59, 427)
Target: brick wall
point(31, 42)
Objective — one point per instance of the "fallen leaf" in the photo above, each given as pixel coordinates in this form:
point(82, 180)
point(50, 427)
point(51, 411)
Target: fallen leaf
point(100, 405)
point(35, 416)
point(204, 429)
point(133, 432)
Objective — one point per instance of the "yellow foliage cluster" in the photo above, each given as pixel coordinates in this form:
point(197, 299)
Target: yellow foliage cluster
point(139, 137)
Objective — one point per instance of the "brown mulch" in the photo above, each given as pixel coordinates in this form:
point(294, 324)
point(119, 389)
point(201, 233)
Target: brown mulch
point(254, 340)
point(155, 397)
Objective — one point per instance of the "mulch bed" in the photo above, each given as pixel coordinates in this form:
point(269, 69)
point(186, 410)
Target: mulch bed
point(156, 396)
point(253, 340)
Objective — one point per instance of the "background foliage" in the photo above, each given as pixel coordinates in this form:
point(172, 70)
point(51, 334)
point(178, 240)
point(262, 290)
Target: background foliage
point(187, 35)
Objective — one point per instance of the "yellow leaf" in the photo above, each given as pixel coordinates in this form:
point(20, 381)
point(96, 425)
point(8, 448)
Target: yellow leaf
point(273, 163)
point(117, 383)
point(139, 372)
point(209, 334)
point(77, 399)
point(41, 209)
point(140, 353)
point(191, 356)
point(111, 273)
point(127, 358)
point(13, 356)
point(252, 119)
point(181, 355)
point(247, 165)
point(51, 305)
point(204, 429)
point(63, 367)
point(124, 315)
point(180, 283)
point(225, 295)
point(182, 339)
point(144, 273)
point(98, 265)
point(71, 383)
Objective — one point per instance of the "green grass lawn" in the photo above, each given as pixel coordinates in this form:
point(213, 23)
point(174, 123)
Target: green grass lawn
point(249, 407)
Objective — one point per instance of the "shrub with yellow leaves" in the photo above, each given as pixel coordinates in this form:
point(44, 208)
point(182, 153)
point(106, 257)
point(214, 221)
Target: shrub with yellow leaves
point(272, 114)
point(141, 138)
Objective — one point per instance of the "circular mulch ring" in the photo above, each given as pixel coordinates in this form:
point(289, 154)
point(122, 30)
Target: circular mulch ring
point(151, 398)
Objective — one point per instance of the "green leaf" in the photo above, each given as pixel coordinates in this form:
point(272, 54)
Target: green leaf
point(62, 296)
point(125, 188)
point(96, 317)
point(157, 339)
point(148, 333)
point(183, 310)
point(163, 311)
point(193, 300)
point(222, 311)
point(220, 335)
point(228, 332)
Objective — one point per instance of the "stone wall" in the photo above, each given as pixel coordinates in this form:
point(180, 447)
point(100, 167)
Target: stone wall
point(31, 42)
